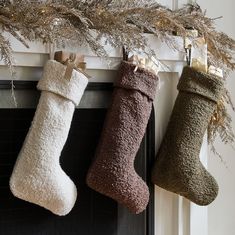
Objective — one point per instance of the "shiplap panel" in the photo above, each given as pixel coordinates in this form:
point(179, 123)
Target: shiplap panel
point(167, 3)
point(182, 2)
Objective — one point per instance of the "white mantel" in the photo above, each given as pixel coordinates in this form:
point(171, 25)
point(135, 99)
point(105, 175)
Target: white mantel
point(37, 54)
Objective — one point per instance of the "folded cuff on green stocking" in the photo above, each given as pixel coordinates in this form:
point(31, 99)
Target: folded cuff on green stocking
point(207, 85)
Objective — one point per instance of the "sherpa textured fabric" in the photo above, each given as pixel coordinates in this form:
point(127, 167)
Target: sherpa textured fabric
point(178, 167)
point(37, 176)
point(112, 172)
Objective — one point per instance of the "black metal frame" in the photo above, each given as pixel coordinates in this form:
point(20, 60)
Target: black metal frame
point(32, 85)
point(150, 138)
point(150, 159)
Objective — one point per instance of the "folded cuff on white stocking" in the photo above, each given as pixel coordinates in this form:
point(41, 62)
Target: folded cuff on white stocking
point(53, 80)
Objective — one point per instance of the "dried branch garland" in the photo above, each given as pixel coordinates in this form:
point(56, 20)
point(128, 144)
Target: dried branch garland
point(220, 125)
point(122, 23)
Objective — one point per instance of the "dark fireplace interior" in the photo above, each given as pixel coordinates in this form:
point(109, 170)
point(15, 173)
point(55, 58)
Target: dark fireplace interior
point(93, 214)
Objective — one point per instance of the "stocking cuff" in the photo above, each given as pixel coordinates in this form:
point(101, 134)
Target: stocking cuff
point(207, 85)
point(141, 80)
point(53, 81)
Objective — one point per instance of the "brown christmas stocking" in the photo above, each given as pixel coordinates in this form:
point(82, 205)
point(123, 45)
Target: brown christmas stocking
point(178, 167)
point(112, 172)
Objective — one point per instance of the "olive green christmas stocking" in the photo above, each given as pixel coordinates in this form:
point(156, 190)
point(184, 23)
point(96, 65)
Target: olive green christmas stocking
point(178, 168)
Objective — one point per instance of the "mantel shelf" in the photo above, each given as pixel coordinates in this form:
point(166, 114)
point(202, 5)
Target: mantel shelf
point(37, 54)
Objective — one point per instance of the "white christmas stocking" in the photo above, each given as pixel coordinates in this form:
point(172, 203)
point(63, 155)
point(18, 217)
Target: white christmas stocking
point(37, 176)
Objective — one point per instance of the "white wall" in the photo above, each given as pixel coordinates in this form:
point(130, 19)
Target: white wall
point(222, 211)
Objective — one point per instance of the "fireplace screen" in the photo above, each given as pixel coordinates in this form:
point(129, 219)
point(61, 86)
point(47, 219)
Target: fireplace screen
point(93, 214)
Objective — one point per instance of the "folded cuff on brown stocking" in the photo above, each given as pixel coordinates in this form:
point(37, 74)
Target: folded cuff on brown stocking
point(207, 85)
point(142, 80)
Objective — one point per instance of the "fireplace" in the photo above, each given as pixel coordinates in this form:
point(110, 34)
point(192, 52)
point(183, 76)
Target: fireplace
point(93, 214)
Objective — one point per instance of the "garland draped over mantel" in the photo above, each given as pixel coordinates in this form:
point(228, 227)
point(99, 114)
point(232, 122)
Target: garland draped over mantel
point(121, 23)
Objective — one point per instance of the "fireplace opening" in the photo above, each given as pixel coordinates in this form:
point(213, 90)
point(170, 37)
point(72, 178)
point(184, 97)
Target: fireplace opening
point(93, 213)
